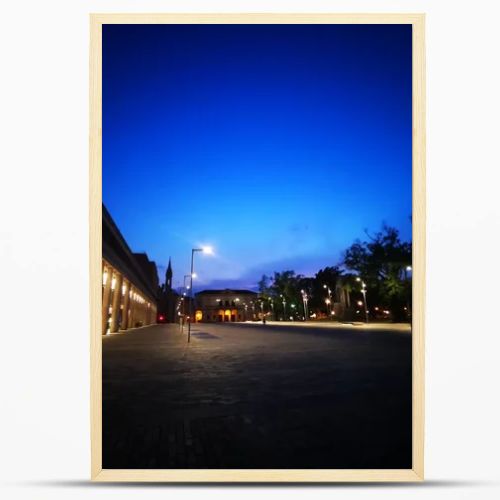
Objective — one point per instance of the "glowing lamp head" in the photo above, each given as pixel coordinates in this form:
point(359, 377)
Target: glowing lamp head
point(208, 250)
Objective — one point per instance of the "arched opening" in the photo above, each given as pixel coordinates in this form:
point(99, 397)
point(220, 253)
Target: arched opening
point(227, 315)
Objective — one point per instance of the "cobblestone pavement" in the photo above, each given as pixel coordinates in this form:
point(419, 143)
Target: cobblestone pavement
point(257, 396)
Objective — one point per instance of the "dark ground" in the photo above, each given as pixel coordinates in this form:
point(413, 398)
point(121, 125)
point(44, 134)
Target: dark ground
point(255, 396)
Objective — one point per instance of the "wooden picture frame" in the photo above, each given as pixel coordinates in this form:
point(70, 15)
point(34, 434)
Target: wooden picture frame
point(416, 473)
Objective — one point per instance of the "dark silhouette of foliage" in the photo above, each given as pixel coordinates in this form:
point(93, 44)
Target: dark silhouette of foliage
point(381, 262)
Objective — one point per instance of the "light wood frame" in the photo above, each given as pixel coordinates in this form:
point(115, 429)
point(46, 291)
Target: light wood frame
point(416, 473)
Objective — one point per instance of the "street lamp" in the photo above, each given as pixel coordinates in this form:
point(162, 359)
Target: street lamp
point(363, 291)
point(304, 300)
point(408, 307)
point(328, 301)
point(182, 316)
point(283, 301)
point(328, 307)
point(209, 251)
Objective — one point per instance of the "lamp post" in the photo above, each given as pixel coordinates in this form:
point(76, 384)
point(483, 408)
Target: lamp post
point(207, 250)
point(363, 291)
point(408, 269)
point(283, 301)
point(304, 301)
point(183, 314)
point(272, 308)
point(328, 301)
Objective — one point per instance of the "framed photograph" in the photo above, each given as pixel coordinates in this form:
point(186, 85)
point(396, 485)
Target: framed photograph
point(257, 247)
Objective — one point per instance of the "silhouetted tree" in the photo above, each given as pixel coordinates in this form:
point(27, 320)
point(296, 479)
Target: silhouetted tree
point(324, 279)
point(381, 263)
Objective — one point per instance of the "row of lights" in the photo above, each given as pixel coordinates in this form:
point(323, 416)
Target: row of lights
point(132, 295)
point(208, 250)
point(363, 291)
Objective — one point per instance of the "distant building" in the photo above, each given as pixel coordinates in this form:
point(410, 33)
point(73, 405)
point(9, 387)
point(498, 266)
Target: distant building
point(226, 306)
point(167, 298)
point(129, 282)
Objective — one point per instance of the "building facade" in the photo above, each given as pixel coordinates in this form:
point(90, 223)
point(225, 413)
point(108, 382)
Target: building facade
point(227, 305)
point(129, 282)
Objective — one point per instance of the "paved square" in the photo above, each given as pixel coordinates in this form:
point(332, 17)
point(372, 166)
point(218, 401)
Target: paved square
point(257, 396)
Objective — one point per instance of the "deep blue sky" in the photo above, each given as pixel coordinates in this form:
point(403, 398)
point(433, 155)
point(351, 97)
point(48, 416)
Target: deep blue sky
point(277, 144)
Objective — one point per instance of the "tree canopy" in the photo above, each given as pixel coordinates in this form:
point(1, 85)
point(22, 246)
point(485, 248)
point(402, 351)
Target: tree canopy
point(382, 262)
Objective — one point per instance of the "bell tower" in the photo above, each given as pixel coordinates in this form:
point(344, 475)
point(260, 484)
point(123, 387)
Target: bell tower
point(168, 276)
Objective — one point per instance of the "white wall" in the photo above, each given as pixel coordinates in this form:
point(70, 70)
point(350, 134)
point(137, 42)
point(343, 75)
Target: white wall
point(44, 433)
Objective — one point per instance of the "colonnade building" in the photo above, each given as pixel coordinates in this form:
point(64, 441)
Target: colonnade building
point(129, 282)
point(226, 306)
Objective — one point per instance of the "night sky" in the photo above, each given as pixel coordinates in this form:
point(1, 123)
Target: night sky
point(276, 144)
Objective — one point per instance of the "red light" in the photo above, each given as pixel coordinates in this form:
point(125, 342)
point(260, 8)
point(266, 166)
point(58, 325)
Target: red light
point(161, 317)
